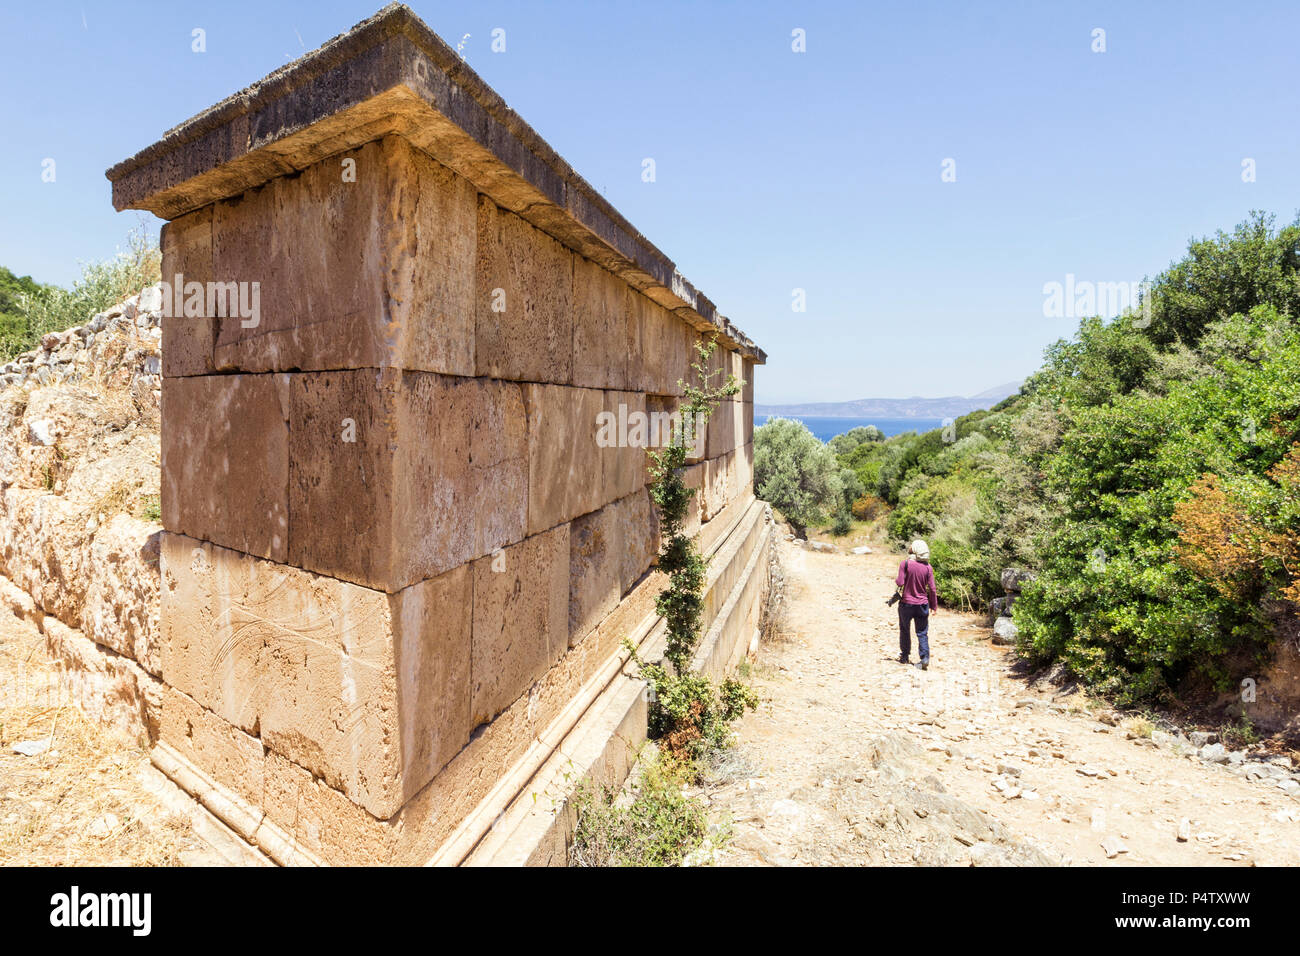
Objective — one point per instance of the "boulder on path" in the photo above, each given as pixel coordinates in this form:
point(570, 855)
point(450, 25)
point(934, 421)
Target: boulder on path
point(1004, 632)
point(1213, 753)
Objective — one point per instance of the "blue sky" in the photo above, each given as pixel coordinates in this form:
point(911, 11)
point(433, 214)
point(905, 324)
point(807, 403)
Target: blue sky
point(775, 170)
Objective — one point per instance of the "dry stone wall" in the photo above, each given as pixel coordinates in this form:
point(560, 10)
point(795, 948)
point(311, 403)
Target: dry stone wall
point(79, 485)
point(396, 549)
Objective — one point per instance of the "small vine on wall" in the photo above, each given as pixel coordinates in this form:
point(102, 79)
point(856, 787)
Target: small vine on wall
point(688, 714)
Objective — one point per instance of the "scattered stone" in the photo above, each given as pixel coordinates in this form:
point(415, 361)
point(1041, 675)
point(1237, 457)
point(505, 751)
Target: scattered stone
point(151, 299)
point(1008, 770)
point(1213, 753)
point(103, 826)
point(1091, 770)
point(1004, 632)
point(1113, 846)
point(1013, 580)
point(1184, 830)
point(1167, 741)
point(1200, 738)
point(30, 748)
point(41, 432)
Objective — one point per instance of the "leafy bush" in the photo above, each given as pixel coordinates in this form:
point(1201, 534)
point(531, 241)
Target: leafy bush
point(37, 310)
point(796, 473)
point(655, 824)
point(848, 442)
point(1165, 539)
point(867, 508)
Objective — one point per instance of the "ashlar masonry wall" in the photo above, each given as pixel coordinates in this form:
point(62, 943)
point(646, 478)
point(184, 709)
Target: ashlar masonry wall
point(395, 551)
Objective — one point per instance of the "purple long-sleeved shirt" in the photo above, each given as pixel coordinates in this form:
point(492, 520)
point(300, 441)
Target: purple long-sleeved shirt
point(917, 581)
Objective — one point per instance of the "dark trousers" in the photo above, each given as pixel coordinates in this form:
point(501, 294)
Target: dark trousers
point(907, 613)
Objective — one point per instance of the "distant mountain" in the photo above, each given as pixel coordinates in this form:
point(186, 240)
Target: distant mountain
point(950, 407)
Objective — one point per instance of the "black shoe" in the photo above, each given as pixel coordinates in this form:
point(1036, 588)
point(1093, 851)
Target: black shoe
point(902, 658)
point(923, 665)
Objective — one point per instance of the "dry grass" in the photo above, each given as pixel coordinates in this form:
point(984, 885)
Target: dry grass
point(81, 801)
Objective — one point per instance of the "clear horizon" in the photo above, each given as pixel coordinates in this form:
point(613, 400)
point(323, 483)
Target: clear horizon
point(779, 175)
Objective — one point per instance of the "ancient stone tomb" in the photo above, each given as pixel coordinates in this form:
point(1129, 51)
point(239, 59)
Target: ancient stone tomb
point(396, 551)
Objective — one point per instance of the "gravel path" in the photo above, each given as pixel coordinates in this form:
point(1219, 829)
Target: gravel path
point(854, 758)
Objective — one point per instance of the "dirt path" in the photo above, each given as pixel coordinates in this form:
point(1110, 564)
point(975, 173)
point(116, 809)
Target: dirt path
point(854, 758)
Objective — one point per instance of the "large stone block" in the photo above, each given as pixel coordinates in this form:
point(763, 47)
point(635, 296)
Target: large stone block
point(609, 550)
point(523, 300)
point(744, 466)
point(432, 624)
point(664, 415)
point(322, 819)
point(659, 359)
point(225, 461)
point(520, 618)
point(311, 666)
point(227, 754)
point(398, 477)
point(376, 272)
point(565, 463)
point(595, 584)
point(720, 485)
point(726, 428)
point(187, 343)
point(623, 462)
point(601, 321)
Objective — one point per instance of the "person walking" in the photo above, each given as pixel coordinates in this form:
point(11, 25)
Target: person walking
point(916, 585)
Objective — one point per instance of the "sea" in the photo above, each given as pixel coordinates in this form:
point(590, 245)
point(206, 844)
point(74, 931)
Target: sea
point(827, 428)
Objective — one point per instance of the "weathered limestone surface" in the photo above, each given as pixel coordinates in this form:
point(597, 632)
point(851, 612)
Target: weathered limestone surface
point(375, 272)
point(525, 310)
point(609, 551)
point(400, 549)
point(310, 665)
point(521, 599)
point(433, 471)
point(603, 328)
point(225, 461)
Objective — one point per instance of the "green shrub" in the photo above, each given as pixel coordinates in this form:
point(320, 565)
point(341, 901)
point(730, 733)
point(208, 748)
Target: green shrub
point(796, 473)
point(37, 310)
point(654, 824)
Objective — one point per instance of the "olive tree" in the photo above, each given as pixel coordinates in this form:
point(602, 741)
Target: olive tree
point(796, 473)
